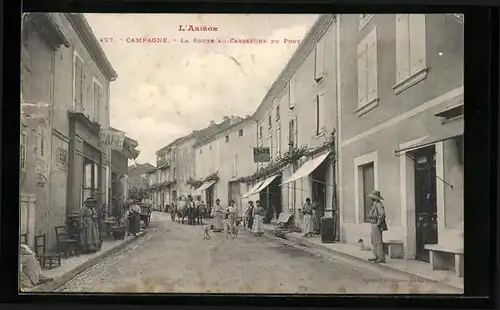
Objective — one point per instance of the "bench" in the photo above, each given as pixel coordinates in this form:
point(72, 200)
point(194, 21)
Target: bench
point(394, 249)
point(444, 258)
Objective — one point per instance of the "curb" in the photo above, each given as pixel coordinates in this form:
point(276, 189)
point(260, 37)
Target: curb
point(65, 278)
point(306, 243)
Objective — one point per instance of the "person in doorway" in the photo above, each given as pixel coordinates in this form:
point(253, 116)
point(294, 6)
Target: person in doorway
point(134, 219)
point(378, 225)
point(218, 216)
point(249, 215)
point(31, 271)
point(258, 218)
point(318, 213)
point(307, 211)
point(89, 237)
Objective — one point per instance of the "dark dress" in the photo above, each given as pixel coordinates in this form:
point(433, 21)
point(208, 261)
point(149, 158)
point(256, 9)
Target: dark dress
point(250, 218)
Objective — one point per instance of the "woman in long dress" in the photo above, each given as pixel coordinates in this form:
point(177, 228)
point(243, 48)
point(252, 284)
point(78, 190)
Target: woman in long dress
point(258, 218)
point(134, 219)
point(307, 211)
point(218, 216)
point(89, 237)
point(232, 214)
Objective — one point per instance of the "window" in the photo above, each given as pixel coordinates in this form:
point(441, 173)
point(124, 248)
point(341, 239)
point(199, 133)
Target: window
point(320, 113)
point(270, 143)
point(292, 133)
point(97, 95)
point(277, 113)
point(366, 179)
point(226, 138)
point(368, 183)
point(410, 50)
point(90, 179)
point(364, 19)
point(22, 151)
point(270, 121)
point(319, 67)
point(234, 166)
point(278, 138)
point(78, 82)
point(291, 92)
point(260, 132)
point(367, 70)
point(240, 133)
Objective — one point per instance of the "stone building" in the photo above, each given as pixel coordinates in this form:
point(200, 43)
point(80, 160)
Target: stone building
point(402, 127)
point(72, 82)
point(228, 153)
point(299, 110)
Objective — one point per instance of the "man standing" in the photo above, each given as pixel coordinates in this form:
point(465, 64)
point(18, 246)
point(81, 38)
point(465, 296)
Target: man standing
point(190, 210)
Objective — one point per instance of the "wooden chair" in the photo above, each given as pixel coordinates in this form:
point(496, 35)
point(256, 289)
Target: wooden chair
point(47, 260)
point(65, 243)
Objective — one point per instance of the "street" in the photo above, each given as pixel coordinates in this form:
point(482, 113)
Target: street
point(174, 258)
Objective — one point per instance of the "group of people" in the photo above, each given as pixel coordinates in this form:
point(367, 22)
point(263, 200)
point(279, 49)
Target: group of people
point(254, 217)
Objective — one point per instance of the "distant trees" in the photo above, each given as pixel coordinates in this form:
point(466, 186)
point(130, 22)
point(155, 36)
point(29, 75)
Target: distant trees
point(137, 193)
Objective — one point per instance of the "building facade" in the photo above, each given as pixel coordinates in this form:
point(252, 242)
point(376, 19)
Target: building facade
point(299, 111)
point(228, 153)
point(73, 84)
point(402, 127)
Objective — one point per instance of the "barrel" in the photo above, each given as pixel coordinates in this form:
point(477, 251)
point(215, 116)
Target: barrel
point(327, 230)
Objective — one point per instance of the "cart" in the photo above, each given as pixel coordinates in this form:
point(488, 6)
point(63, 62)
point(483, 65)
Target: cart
point(145, 214)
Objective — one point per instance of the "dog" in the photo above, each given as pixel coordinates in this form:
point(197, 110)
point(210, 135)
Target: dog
point(206, 232)
point(362, 246)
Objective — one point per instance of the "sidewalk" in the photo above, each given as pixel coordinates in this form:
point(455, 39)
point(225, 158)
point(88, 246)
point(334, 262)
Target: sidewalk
point(351, 252)
point(74, 265)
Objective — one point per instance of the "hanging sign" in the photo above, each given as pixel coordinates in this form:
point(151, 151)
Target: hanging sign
point(112, 139)
point(261, 155)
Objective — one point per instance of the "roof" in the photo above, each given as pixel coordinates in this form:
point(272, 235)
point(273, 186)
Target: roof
point(84, 31)
point(140, 168)
point(222, 129)
point(314, 35)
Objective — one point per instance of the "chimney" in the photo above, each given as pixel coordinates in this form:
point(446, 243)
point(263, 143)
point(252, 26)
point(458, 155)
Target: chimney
point(212, 123)
point(225, 118)
point(235, 119)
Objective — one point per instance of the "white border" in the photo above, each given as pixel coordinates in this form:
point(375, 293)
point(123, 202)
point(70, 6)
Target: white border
point(359, 161)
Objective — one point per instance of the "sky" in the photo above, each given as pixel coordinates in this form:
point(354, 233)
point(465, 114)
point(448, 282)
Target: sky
point(166, 90)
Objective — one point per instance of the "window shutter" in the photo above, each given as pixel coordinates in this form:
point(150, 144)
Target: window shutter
point(402, 47)
point(78, 84)
point(362, 94)
point(417, 42)
point(291, 92)
point(319, 68)
point(296, 135)
point(371, 59)
point(322, 112)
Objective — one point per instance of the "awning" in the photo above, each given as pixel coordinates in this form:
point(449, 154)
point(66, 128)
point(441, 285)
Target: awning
point(432, 139)
point(253, 190)
point(204, 187)
point(266, 183)
point(306, 168)
point(453, 109)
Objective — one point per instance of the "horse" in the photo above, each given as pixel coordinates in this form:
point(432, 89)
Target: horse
point(199, 212)
point(181, 210)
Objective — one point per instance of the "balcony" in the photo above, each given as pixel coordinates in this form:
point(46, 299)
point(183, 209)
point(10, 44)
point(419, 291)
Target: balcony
point(162, 163)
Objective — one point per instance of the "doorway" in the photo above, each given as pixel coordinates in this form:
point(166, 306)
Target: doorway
point(318, 196)
point(425, 200)
point(209, 195)
point(272, 200)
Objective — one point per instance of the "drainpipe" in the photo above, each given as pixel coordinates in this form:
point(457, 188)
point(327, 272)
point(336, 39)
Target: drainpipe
point(338, 140)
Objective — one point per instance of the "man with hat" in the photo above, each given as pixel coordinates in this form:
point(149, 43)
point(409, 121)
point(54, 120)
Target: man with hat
point(378, 225)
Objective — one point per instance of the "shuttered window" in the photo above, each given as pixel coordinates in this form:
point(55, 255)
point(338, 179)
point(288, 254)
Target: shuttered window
point(291, 92)
point(410, 45)
point(319, 68)
point(78, 83)
point(278, 138)
point(22, 151)
point(368, 173)
point(367, 69)
point(320, 113)
point(97, 95)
